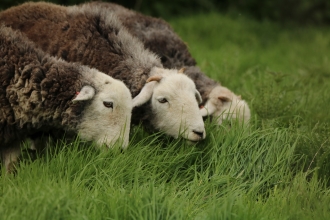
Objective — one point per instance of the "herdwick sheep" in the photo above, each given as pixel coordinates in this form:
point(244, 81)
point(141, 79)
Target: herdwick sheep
point(159, 37)
point(40, 93)
point(167, 101)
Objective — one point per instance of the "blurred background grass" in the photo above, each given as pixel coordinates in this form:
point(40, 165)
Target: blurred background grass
point(284, 11)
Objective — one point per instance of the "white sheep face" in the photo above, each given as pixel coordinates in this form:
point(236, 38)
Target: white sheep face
point(225, 105)
point(107, 118)
point(174, 103)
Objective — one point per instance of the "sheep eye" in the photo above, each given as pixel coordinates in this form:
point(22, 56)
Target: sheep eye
point(162, 100)
point(108, 104)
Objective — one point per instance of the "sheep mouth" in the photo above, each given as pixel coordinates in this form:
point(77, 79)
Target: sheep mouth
point(193, 140)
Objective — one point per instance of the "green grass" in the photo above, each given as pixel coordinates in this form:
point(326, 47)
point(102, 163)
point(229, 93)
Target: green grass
point(278, 168)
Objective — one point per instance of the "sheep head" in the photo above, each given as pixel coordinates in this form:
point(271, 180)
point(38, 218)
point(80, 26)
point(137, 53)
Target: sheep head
point(107, 115)
point(224, 104)
point(174, 102)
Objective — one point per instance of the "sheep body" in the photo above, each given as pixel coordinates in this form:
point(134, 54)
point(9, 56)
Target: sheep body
point(93, 36)
point(81, 34)
point(38, 93)
point(159, 37)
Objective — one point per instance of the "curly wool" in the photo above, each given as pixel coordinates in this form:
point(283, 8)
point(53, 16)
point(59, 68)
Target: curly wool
point(89, 35)
point(35, 89)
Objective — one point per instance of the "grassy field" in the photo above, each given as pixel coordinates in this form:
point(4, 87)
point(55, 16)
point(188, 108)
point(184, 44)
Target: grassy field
point(277, 168)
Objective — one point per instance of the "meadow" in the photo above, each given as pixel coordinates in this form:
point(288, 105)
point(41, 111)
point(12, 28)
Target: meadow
point(278, 167)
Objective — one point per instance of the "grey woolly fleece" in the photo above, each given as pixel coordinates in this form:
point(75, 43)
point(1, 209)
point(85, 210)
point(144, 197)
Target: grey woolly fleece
point(159, 37)
point(89, 35)
point(85, 34)
point(35, 90)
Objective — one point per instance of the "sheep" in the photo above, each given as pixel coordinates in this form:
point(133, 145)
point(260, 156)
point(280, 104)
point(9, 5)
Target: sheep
point(158, 36)
point(40, 93)
point(164, 100)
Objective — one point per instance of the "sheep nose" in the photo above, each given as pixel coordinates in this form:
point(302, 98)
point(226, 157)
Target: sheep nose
point(199, 133)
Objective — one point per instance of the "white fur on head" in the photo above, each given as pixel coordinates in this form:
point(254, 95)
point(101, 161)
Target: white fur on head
point(108, 116)
point(174, 103)
point(224, 104)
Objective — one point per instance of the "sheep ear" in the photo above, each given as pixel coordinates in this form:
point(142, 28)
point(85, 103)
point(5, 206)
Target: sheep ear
point(147, 90)
point(86, 93)
point(154, 78)
point(145, 94)
point(182, 70)
point(224, 98)
point(208, 109)
point(198, 97)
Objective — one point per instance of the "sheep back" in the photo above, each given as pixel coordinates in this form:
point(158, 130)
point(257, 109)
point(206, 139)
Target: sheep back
point(35, 89)
point(89, 35)
point(158, 36)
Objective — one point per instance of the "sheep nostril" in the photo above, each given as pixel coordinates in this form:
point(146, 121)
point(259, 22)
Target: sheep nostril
point(200, 134)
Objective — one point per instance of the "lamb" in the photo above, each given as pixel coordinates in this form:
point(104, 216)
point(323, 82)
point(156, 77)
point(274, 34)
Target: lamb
point(158, 36)
point(40, 93)
point(167, 101)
